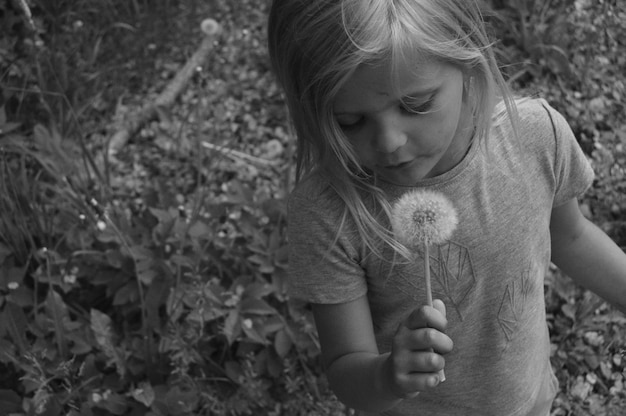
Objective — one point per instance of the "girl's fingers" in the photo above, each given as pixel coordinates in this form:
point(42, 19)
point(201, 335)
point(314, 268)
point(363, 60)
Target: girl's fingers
point(440, 306)
point(423, 339)
point(428, 317)
point(410, 384)
point(424, 362)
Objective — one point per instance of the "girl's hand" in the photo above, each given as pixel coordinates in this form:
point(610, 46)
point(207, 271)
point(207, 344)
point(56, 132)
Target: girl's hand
point(416, 354)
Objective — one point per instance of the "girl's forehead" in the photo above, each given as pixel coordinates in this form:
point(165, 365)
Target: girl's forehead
point(404, 71)
point(391, 82)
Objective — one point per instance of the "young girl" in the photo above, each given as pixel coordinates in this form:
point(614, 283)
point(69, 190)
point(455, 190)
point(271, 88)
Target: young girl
point(388, 96)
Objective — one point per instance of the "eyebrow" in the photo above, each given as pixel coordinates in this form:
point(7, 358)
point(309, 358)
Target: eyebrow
point(427, 92)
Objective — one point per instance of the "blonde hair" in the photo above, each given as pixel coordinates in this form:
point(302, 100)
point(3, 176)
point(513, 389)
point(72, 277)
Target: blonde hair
point(316, 45)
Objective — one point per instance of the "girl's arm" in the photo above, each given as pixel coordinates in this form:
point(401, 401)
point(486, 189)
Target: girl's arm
point(586, 254)
point(366, 380)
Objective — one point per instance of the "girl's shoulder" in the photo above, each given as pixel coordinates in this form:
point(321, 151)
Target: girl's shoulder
point(314, 192)
point(524, 109)
point(535, 109)
point(313, 186)
point(530, 116)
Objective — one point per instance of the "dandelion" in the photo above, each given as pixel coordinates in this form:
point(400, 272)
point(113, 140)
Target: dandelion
point(421, 218)
point(210, 27)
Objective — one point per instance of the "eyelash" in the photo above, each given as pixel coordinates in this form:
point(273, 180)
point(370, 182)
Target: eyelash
point(419, 109)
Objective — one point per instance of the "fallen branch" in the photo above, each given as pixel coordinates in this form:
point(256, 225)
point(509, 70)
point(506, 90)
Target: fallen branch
point(171, 92)
point(241, 156)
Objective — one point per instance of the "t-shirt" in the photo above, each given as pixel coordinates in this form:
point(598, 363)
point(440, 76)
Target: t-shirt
point(490, 274)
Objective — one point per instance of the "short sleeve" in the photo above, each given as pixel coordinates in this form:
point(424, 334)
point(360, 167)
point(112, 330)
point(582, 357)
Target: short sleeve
point(324, 265)
point(573, 172)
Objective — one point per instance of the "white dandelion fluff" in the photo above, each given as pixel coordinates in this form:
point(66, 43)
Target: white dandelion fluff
point(423, 217)
point(210, 27)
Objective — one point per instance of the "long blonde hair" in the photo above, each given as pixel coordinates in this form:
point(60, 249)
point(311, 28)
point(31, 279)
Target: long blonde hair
point(316, 45)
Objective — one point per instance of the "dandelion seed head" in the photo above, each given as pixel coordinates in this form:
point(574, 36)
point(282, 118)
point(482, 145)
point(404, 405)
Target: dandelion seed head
point(421, 216)
point(210, 27)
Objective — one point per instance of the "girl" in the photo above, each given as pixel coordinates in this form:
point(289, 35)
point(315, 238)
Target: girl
point(387, 96)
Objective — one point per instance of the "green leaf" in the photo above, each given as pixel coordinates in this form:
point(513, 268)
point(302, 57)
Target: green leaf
point(101, 327)
point(256, 307)
point(232, 326)
point(282, 343)
point(251, 332)
point(103, 332)
point(144, 394)
point(10, 401)
point(146, 271)
point(200, 230)
point(114, 403)
point(180, 402)
point(4, 253)
point(15, 322)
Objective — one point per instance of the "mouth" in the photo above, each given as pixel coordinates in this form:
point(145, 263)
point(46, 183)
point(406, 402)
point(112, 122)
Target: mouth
point(398, 166)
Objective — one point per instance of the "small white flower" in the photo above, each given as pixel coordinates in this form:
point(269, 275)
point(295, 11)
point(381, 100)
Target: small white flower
point(101, 225)
point(13, 285)
point(69, 279)
point(247, 323)
point(422, 216)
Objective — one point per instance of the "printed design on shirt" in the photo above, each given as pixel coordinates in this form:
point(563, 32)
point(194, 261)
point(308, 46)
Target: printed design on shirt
point(452, 275)
point(455, 273)
point(512, 305)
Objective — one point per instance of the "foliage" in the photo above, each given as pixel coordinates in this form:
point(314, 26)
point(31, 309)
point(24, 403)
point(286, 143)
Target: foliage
point(155, 283)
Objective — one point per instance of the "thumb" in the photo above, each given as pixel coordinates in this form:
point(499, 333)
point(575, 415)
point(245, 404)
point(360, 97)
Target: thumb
point(440, 306)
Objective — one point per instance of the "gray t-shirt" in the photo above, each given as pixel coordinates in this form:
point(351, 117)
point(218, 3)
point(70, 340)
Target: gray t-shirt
point(490, 274)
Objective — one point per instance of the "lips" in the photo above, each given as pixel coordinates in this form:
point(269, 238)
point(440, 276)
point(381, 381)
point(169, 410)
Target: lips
point(396, 166)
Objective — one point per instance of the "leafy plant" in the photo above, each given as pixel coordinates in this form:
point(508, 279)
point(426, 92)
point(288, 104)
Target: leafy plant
point(533, 37)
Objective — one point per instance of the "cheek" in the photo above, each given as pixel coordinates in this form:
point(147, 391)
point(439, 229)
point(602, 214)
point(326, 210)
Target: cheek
point(435, 135)
point(446, 123)
point(361, 148)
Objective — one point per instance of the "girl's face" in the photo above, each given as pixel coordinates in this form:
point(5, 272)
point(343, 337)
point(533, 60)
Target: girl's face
point(416, 127)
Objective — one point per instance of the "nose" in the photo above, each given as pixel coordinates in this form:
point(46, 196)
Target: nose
point(389, 136)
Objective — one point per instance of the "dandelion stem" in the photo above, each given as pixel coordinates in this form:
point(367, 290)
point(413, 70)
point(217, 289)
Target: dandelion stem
point(429, 293)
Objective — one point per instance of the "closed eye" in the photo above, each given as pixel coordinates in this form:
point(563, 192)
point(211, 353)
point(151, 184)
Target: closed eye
point(347, 122)
point(417, 107)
